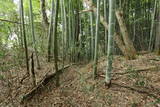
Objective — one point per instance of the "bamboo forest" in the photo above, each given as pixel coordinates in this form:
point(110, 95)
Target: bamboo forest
point(79, 53)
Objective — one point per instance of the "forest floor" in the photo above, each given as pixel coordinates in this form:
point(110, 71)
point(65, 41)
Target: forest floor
point(136, 83)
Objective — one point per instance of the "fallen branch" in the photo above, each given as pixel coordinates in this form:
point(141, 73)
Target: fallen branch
point(142, 52)
point(42, 83)
point(138, 70)
point(148, 93)
point(155, 59)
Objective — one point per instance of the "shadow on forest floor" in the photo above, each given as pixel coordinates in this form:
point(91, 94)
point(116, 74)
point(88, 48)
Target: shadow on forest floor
point(78, 89)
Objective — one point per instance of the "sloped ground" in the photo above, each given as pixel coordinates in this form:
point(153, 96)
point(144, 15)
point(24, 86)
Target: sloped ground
point(135, 83)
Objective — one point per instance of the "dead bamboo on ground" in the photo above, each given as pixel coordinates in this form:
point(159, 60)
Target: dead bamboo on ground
point(137, 70)
point(42, 83)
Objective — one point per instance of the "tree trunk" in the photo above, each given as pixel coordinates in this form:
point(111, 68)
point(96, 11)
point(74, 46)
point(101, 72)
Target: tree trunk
point(157, 42)
point(121, 45)
point(92, 34)
point(96, 40)
point(152, 27)
point(63, 31)
point(55, 42)
point(32, 73)
point(128, 43)
point(76, 31)
point(44, 15)
point(105, 24)
point(111, 30)
point(24, 35)
point(50, 33)
point(33, 34)
point(105, 32)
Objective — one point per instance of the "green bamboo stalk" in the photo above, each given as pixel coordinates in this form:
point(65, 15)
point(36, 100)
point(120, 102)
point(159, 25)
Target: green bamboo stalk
point(111, 31)
point(96, 40)
point(24, 34)
point(33, 34)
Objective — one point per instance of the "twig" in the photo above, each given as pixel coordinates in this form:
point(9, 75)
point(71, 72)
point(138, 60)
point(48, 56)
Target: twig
point(25, 76)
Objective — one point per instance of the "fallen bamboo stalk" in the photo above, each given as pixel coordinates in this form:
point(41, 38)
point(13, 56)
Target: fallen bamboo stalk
point(138, 70)
point(43, 82)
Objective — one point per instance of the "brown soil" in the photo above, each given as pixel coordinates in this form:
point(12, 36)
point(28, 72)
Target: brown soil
point(130, 88)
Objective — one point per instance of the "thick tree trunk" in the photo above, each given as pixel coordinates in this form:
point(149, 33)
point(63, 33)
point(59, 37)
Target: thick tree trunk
point(121, 45)
point(128, 43)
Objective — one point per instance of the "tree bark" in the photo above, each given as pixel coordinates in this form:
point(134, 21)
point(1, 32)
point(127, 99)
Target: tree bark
point(152, 27)
point(128, 43)
point(55, 42)
point(119, 41)
point(44, 15)
point(32, 72)
point(92, 35)
point(157, 40)
point(24, 35)
point(111, 30)
point(105, 32)
point(96, 39)
point(50, 33)
point(33, 34)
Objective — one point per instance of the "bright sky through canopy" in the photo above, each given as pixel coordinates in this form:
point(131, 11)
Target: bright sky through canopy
point(16, 1)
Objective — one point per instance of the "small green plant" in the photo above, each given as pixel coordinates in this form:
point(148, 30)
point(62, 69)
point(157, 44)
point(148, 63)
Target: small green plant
point(131, 73)
point(129, 69)
point(140, 83)
point(155, 102)
point(1, 77)
point(109, 99)
point(134, 105)
point(5, 67)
